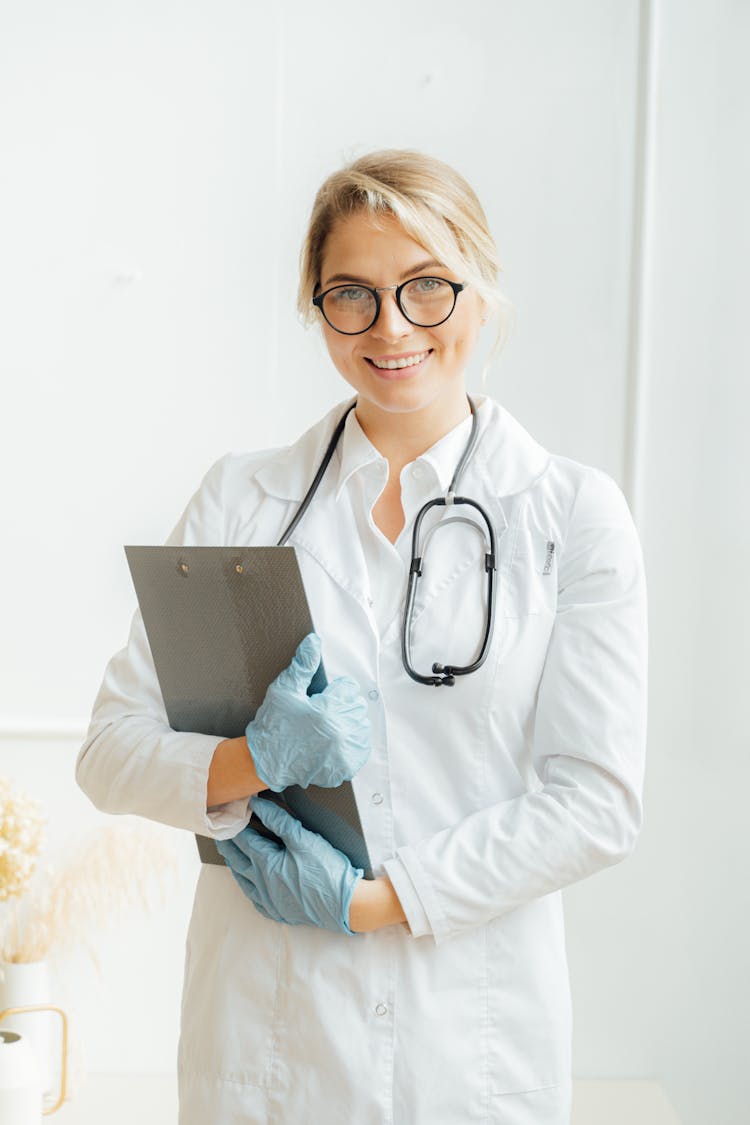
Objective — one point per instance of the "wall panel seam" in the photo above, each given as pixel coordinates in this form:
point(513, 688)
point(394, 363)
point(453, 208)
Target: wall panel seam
point(637, 367)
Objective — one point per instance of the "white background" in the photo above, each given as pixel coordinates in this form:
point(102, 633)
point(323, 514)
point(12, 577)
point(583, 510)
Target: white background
point(159, 161)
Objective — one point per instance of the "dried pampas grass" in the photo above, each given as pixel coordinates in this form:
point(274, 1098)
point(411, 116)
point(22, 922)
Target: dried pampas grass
point(107, 872)
point(21, 839)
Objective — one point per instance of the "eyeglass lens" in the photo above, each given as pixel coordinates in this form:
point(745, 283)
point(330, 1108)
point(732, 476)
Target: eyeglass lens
point(425, 301)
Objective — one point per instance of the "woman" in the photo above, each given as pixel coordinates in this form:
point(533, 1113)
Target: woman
point(438, 992)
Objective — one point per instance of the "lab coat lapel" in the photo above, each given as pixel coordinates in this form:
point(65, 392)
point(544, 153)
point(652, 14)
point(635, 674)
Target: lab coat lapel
point(327, 532)
point(507, 459)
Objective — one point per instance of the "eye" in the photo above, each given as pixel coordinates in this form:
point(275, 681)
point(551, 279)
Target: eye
point(426, 285)
point(350, 294)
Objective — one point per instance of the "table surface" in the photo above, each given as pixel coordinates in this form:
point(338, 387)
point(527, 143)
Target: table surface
point(151, 1099)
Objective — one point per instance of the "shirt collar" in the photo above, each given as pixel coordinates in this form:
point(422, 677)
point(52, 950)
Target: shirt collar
point(357, 452)
point(507, 456)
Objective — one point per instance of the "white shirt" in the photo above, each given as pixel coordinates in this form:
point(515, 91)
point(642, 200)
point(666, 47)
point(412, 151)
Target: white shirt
point(363, 470)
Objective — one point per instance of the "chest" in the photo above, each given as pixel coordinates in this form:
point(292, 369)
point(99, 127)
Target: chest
point(449, 615)
point(388, 512)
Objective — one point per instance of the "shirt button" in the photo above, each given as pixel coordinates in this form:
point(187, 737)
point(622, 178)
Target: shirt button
point(374, 694)
point(381, 1010)
point(377, 798)
point(417, 472)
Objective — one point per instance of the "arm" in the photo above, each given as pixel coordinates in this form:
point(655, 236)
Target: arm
point(301, 879)
point(588, 745)
point(131, 761)
point(231, 774)
point(375, 904)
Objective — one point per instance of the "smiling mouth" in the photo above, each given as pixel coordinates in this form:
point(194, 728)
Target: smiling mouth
point(416, 359)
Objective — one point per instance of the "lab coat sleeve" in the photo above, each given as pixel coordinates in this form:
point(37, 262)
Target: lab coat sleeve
point(588, 743)
point(131, 760)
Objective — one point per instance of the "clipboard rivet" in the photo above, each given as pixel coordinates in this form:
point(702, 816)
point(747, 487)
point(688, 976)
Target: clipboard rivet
point(184, 567)
point(239, 568)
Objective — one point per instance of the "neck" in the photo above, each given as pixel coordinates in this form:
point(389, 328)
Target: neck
point(402, 438)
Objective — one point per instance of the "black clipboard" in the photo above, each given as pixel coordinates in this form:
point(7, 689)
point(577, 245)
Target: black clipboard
point(222, 622)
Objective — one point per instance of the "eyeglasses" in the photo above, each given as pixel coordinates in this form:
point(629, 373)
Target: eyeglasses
point(424, 301)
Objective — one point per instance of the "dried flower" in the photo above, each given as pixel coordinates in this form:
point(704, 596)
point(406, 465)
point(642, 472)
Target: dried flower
point(108, 870)
point(21, 840)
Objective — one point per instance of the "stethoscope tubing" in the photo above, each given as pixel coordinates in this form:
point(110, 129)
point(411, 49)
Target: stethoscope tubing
point(443, 675)
point(319, 475)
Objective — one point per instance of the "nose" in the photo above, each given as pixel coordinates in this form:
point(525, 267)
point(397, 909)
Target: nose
point(391, 323)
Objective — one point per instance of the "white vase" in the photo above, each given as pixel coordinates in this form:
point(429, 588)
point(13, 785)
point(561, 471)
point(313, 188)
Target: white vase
point(23, 983)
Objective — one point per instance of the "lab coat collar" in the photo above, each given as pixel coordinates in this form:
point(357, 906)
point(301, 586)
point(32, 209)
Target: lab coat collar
point(288, 473)
point(506, 457)
point(355, 452)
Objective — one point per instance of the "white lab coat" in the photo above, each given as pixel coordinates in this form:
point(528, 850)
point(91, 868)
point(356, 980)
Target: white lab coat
point(480, 801)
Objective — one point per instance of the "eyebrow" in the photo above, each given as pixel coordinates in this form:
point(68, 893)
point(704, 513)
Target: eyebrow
point(429, 263)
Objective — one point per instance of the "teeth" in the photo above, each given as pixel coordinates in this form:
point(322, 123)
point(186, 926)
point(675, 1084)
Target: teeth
point(394, 364)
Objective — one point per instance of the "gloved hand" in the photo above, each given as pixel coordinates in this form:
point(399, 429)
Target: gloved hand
point(300, 739)
point(302, 881)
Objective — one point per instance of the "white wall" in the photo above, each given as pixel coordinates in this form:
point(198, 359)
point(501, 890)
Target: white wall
point(694, 892)
point(159, 164)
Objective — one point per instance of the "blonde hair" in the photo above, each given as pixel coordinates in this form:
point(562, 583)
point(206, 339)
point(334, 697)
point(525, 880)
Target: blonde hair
point(436, 207)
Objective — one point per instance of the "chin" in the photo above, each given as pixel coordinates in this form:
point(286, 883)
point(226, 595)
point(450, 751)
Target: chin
point(402, 398)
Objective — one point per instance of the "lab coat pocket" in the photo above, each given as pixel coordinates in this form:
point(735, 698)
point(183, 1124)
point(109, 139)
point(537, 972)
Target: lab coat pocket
point(550, 1105)
point(529, 584)
point(529, 1011)
point(230, 995)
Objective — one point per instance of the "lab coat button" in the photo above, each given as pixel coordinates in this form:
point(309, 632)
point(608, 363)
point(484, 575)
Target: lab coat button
point(381, 1010)
point(374, 694)
point(377, 798)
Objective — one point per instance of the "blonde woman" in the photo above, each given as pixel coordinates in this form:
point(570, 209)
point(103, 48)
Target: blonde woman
point(495, 744)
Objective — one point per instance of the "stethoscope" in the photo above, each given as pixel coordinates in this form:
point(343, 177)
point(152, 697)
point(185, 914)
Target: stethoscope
point(443, 674)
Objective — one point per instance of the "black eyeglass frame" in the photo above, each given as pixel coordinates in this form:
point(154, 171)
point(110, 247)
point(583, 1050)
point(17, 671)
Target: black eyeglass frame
point(456, 286)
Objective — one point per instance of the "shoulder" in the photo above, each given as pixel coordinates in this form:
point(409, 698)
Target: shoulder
point(591, 494)
point(239, 485)
point(524, 473)
point(548, 497)
point(283, 472)
point(231, 473)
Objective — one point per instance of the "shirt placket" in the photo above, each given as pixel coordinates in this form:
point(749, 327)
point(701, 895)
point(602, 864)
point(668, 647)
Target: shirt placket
point(387, 567)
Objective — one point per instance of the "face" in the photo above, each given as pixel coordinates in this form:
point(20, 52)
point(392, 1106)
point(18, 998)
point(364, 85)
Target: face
point(355, 250)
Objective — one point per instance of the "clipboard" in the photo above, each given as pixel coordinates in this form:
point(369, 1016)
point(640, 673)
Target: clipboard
point(222, 622)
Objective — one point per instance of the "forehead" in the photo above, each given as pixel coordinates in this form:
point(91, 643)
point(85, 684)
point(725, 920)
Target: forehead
point(359, 240)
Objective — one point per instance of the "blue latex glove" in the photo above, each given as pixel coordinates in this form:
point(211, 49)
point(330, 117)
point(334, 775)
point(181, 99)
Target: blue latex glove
point(301, 739)
point(302, 881)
